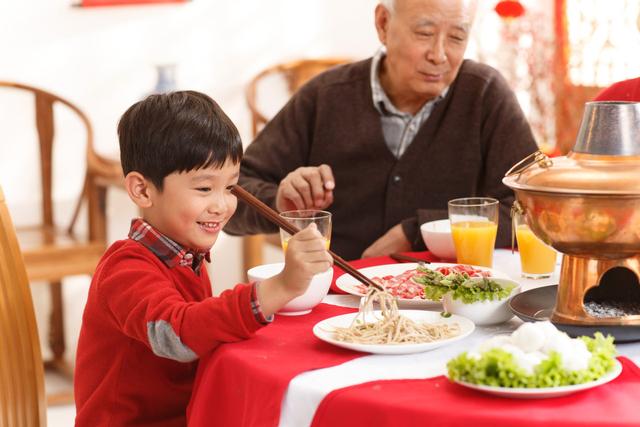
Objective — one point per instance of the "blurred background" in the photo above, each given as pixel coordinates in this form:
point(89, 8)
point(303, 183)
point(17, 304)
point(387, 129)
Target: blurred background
point(556, 54)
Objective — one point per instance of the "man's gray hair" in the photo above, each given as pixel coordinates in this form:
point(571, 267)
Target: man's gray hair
point(390, 5)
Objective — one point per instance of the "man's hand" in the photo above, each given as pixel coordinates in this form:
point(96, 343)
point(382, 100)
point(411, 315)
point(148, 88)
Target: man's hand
point(392, 241)
point(306, 188)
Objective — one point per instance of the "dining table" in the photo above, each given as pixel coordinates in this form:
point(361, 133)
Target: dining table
point(285, 376)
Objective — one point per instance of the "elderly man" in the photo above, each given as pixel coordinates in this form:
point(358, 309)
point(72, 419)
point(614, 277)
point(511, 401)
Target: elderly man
point(384, 143)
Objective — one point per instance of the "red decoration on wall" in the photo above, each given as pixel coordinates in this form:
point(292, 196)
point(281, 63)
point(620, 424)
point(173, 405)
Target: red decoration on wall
point(95, 3)
point(509, 9)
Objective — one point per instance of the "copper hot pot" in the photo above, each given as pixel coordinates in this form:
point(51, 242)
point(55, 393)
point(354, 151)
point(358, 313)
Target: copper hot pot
point(587, 206)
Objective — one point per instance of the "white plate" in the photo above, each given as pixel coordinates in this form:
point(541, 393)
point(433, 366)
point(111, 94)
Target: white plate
point(349, 284)
point(545, 392)
point(324, 331)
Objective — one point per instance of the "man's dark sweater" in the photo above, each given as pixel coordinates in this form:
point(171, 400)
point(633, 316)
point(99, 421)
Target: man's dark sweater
point(472, 137)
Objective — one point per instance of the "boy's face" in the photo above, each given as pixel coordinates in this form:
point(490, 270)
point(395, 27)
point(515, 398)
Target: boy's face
point(194, 206)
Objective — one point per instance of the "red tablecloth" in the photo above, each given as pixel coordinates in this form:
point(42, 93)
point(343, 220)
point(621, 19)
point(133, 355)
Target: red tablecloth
point(370, 262)
point(243, 383)
point(438, 402)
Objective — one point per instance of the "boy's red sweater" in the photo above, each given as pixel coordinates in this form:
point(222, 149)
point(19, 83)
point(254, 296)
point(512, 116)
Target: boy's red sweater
point(118, 378)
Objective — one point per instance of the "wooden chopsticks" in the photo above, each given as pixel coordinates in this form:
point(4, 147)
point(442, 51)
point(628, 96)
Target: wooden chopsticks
point(274, 217)
point(407, 258)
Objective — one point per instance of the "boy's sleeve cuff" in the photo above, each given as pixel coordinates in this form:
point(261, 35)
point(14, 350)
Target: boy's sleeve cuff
point(255, 307)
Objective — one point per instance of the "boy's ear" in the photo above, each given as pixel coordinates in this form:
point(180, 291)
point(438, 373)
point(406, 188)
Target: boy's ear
point(139, 189)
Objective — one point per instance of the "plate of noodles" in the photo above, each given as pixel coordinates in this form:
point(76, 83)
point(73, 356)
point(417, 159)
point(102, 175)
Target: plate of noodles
point(398, 280)
point(411, 331)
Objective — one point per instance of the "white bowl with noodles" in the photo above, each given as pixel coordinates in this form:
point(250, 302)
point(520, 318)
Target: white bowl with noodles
point(438, 239)
point(303, 304)
point(483, 313)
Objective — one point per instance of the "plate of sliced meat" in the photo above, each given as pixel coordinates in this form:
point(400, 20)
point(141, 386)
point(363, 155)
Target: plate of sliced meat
point(399, 280)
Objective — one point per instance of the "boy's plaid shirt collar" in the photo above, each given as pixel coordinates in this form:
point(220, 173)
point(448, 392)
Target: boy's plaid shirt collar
point(169, 252)
point(173, 254)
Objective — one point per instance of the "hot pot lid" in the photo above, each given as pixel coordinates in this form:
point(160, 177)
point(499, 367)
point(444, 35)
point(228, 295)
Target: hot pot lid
point(576, 173)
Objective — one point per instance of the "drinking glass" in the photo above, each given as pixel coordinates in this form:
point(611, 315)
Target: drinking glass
point(538, 260)
point(474, 226)
point(302, 218)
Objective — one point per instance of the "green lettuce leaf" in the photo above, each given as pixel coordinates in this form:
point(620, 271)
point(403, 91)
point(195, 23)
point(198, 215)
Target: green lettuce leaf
point(497, 367)
point(437, 284)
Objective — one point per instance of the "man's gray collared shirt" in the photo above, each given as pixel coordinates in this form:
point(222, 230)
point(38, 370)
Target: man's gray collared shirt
point(399, 128)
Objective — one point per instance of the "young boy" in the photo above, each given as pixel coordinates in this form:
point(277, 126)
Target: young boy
point(150, 313)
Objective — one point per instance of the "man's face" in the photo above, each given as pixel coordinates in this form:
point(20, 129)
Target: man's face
point(194, 206)
point(425, 41)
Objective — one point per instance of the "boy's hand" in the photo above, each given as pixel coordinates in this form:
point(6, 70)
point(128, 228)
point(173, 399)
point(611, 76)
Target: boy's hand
point(306, 256)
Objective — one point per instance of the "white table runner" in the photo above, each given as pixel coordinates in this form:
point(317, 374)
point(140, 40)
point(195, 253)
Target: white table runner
point(306, 391)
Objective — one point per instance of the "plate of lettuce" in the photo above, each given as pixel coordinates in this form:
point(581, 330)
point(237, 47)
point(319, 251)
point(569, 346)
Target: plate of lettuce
point(536, 361)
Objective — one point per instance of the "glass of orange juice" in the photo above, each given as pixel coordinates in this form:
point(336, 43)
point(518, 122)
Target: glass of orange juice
point(538, 260)
point(474, 226)
point(302, 218)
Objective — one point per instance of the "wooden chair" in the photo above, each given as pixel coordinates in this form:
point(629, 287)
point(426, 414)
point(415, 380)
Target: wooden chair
point(294, 74)
point(102, 173)
point(22, 402)
point(53, 251)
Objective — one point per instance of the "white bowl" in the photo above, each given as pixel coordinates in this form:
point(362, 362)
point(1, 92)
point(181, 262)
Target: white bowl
point(437, 237)
point(303, 304)
point(483, 312)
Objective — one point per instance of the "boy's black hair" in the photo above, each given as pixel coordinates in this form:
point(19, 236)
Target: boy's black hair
point(176, 132)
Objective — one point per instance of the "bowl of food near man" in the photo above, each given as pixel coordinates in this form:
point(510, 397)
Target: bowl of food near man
point(438, 240)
